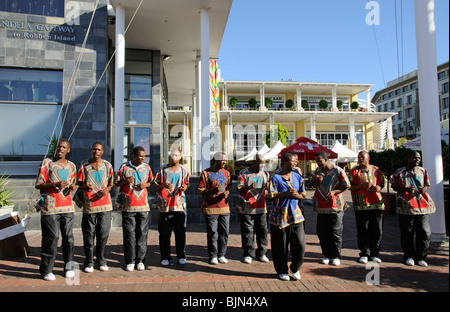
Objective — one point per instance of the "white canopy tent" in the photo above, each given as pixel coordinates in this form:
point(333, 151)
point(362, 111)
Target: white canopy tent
point(416, 144)
point(274, 151)
point(262, 151)
point(251, 154)
point(344, 154)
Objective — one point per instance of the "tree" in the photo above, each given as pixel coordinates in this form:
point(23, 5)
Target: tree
point(354, 105)
point(233, 102)
point(268, 102)
point(445, 152)
point(282, 134)
point(305, 104)
point(339, 104)
point(252, 103)
point(389, 160)
point(323, 104)
point(289, 103)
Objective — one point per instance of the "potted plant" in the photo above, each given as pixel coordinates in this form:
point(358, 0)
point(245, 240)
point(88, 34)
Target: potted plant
point(339, 104)
point(305, 104)
point(354, 105)
point(289, 103)
point(6, 204)
point(323, 104)
point(252, 103)
point(233, 102)
point(268, 102)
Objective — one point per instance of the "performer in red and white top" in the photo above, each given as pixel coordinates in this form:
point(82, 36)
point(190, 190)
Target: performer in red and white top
point(56, 179)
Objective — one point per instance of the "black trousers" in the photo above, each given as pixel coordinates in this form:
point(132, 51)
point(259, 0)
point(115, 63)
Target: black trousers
point(217, 230)
point(167, 222)
point(95, 226)
point(135, 234)
point(420, 226)
point(254, 225)
point(369, 228)
point(293, 238)
point(329, 230)
point(50, 226)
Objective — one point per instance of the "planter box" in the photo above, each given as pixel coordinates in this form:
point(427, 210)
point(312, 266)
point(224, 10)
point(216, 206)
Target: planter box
point(13, 243)
point(6, 210)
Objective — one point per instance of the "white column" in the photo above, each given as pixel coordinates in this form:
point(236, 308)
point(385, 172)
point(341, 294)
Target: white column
point(196, 120)
point(368, 106)
point(390, 134)
point(262, 98)
point(229, 138)
point(224, 97)
point(334, 99)
point(299, 98)
point(313, 128)
point(204, 81)
point(119, 89)
point(429, 110)
point(352, 133)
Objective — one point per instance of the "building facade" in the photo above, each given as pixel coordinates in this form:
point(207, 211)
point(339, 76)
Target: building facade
point(98, 70)
point(401, 96)
point(247, 110)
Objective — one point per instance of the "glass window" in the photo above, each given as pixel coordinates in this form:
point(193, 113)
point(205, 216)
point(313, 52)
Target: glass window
point(36, 7)
point(446, 103)
point(409, 99)
point(27, 128)
point(138, 87)
point(142, 138)
point(405, 89)
point(441, 75)
point(445, 87)
point(25, 85)
point(138, 112)
point(413, 85)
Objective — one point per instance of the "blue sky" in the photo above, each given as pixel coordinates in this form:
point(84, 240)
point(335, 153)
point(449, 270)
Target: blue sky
point(324, 41)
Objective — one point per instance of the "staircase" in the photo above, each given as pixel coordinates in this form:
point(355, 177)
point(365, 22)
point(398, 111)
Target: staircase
point(25, 195)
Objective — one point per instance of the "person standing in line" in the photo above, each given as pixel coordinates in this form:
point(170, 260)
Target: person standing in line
point(56, 179)
point(366, 182)
point(330, 181)
point(172, 181)
point(133, 178)
point(414, 205)
point(95, 180)
point(215, 185)
point(252, 188)
point(285, 217)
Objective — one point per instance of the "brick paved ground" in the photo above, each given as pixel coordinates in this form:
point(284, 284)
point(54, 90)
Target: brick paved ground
point(197, 275)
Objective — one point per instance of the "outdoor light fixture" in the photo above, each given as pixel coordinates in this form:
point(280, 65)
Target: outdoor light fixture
point(166, 57)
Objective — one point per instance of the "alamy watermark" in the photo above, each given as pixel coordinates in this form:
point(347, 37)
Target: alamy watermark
point(75, 279)
point(373, 17)
point(373, 277)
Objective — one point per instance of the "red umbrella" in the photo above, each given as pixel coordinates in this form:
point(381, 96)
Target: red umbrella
point(307, 149)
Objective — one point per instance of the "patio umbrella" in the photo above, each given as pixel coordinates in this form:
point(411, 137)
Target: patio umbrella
point(307, 149)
